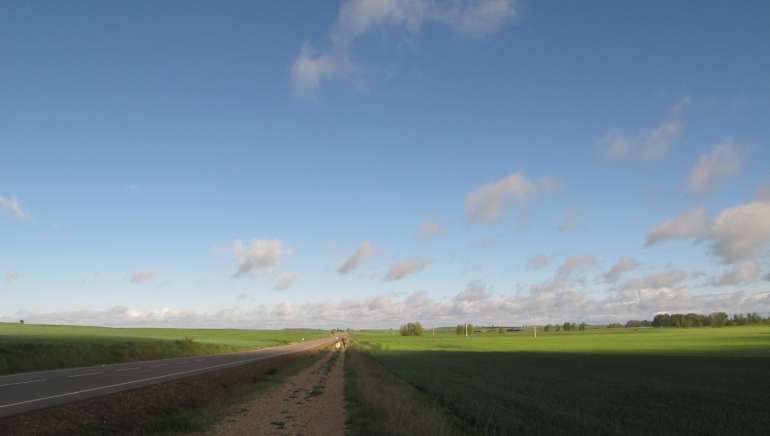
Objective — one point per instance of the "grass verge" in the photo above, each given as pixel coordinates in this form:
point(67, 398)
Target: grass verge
point(379, 403)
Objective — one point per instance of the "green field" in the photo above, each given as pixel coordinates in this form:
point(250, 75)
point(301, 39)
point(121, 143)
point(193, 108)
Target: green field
point(602, 381)
point(38, 347)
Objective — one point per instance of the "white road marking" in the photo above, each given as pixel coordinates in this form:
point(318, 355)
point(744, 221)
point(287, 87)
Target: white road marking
point(189, 371)
point(25, 382)
point(84, 375)
point(128, 369)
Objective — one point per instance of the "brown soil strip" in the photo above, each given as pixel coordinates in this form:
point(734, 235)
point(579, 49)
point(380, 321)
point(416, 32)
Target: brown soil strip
point(126, 412)
point(309, 403)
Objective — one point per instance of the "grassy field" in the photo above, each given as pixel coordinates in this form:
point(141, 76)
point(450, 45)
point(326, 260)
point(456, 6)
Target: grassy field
point(38, 347)
point(603, 381)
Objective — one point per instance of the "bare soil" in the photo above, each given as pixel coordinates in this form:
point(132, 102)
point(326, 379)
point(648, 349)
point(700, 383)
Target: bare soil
point(311, 402)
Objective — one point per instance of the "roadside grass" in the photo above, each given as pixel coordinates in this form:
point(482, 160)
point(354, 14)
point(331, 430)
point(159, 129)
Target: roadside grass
point(379, 403)
point(40, 347)
point(611, 381)
point(200, 419)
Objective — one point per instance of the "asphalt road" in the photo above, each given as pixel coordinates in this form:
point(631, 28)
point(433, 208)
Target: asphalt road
point(37, 390)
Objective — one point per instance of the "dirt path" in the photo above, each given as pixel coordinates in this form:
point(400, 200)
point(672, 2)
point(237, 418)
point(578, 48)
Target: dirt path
point(309, 403)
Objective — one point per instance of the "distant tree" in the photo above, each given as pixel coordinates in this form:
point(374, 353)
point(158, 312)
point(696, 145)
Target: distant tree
point(548, 327)
point(411, 329)
point(557, 327)
point(21, 321)
point(460, 329)
point(582, 326)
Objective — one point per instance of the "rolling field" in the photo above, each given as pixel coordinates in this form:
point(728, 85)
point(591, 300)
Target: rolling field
point(603, 381)
point(39, 347)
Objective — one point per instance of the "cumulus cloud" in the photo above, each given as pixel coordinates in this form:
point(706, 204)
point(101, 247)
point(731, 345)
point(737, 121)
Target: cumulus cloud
point(430, 230)
point(665, 280)
point(364, 252)
point(573, 264)
point(539, 261)
point(741, 232)
point(405, 268)
point(143, 276)
point(571, 221)
point(285, 281)
point(12, 206)
point(723, 161)
point(738, 236)
point(742, 272)
point(692, 224)
point(649, 146)
point(488, 203)
point(356, 18)
point(622, 266)
point(262, 254)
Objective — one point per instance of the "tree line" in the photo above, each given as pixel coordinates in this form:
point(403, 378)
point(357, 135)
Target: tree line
point(715, 319)
point(567, 327)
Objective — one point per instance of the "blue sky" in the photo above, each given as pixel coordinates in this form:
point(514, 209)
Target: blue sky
point(151, 151)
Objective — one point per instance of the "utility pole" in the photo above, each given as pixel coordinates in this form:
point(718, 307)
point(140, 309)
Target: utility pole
point(466, 329)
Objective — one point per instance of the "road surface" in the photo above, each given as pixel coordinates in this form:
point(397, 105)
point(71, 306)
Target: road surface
point(37, 390)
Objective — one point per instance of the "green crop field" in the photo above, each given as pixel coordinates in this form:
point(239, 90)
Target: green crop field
point(602, 381)
point(38, 347)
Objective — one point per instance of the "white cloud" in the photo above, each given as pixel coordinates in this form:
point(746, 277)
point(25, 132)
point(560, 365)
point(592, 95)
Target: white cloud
point(356, 18)
point(539, 261)
point(692, 224)
point(571, 221)
point(542, 304)
point(405, 268)
point(474, 291)
point(364, 252)
point(738, 236)
point(283, 310)
point(13, 207)
point(665, 280)
point(260, 255)
point(622, 266)
point(285, 281)
point(430, 230)
point(742, 272)
point(649, 146)
point(11, 277)
point(573, 264)
point(741, 232)
point(488, 203)
point(723, 161)
point(143, 276)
